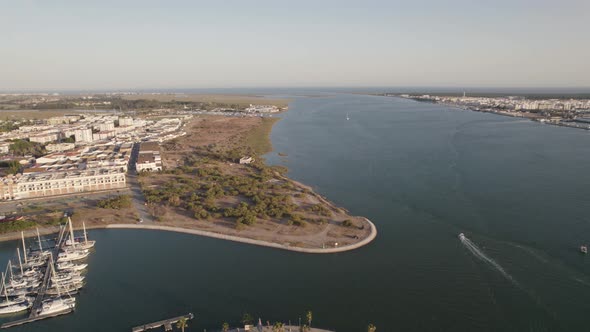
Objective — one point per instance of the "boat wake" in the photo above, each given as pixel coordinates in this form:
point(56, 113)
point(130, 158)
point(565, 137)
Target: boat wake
point(478, 253)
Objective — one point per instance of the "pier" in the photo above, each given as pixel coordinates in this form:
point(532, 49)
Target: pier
point(167, 323)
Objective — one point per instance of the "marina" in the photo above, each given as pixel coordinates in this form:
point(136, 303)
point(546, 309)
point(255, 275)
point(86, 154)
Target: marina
point(51, 281)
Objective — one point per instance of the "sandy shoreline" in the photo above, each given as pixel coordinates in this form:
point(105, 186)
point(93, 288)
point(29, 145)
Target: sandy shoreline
point(53, 230)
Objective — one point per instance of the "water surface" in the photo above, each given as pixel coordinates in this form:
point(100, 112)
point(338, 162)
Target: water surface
point(422, 173)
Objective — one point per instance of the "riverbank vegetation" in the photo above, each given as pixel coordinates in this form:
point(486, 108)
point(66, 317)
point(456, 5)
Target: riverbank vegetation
point(117, 203)
point(205, 186)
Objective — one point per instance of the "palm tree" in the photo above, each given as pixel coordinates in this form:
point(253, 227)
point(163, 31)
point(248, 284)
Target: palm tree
point(182, 324)
point(247, 319)
point(308, 316)
point(278, 327)
point(225, 327)
point(371, 328)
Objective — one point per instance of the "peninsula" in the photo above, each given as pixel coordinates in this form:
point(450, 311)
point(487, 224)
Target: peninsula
point(188, 164)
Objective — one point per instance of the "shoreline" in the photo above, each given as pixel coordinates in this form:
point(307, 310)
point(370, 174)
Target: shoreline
point(245, 240)
point(284, 243)
point(499, 112)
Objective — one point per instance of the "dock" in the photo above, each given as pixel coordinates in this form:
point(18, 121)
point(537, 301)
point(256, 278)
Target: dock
point(34, 315)
point(31, 319)
point(167, 323)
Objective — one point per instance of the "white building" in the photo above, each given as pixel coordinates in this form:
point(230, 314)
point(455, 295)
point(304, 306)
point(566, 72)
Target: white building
point(125, 121)
point(4, 147)
point(44, 138)
point(149, 158)
point(83, 135)
point(105, 126)
point(60, 183)
point(59, 147)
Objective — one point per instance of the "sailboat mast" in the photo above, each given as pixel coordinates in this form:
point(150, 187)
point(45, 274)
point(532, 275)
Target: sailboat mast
point(20, 263)
point(39, 238)
point(10, 269)
point(22, 234)
point(53, 274)
point(85, 235)
point(72, 233)
point(4, 286)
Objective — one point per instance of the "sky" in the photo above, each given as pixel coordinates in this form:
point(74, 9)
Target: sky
point(77, 45)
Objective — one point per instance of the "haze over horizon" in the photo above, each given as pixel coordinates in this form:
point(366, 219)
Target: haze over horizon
point(263, 43)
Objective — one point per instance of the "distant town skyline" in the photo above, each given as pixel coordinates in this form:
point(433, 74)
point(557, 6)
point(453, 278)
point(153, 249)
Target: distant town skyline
point(72, 45)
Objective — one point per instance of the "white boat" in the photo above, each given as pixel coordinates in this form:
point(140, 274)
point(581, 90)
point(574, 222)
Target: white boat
point(72, 243)
point(56, 305)
point(14, 308)
point(461, 236)
point(9, 306)
point(347, 117)
point(67, 278)
point(16, 283)
point(69, 256)
point(34, 263)
point(18, 300)
point(69, 266)
point(80, 245)
point(584, 249)
point(71, 288)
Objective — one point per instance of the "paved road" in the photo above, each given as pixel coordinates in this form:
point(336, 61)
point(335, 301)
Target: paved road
point(139, 201)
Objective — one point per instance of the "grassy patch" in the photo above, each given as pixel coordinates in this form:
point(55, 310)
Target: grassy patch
point(258, 138)
point(17, 225)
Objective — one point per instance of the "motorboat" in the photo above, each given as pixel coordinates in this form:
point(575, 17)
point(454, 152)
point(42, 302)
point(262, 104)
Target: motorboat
point(56, 305)
point(68, 266)
point(584, 249)
point(461, 236)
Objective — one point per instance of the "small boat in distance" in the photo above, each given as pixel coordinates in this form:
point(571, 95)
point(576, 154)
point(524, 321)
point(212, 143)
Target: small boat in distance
point(584, 249)
point(461, 236)
point(347, 117)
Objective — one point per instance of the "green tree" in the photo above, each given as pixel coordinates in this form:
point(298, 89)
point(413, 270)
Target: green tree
point(308, 316)
point(371, 328)
point(278, 327)
point(13, 167)
point(247, 319)
point(225, 327)
point(182, 324)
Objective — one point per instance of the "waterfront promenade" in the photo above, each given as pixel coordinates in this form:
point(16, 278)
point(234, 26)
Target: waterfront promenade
point(330, 250)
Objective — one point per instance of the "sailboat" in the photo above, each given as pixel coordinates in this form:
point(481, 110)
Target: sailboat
point(71, 242)
point(58, 303)
point(73, 252)
point(68, 266)
point(9, 306)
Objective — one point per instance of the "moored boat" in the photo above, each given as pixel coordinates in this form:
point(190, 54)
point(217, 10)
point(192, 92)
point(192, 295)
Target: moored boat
point(56, 305)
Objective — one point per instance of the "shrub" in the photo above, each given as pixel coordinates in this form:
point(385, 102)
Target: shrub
point(119, 202)
point(347, 223)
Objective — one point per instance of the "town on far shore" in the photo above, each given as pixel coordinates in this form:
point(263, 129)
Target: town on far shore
point(556, 110)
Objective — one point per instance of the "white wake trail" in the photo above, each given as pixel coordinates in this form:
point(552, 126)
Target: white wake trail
point(474, 249)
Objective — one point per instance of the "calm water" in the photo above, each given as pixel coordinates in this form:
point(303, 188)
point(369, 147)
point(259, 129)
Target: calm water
point(422, 173)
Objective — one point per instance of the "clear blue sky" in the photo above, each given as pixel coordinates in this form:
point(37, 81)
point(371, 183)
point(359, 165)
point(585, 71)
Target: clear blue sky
point(200, 44)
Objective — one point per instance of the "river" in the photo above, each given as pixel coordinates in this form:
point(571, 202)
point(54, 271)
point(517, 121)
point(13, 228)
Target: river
point(423, 173)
